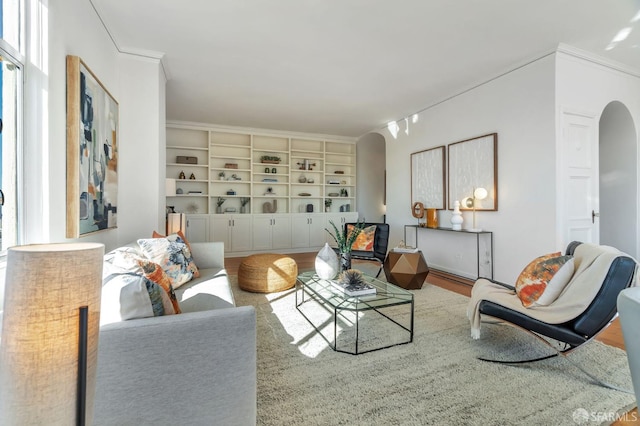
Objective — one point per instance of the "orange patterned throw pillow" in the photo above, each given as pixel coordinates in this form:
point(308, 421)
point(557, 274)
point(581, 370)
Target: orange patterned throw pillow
point(539, 275)
point(155, 273)
point(364, 241)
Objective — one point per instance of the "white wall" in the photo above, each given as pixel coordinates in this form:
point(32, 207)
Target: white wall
point(519, 106)
point(74, 29)
point(370, 151)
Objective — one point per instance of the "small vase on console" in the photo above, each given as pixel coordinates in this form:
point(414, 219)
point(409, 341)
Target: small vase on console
point(456, 218)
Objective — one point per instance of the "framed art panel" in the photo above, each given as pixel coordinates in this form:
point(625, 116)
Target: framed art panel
point(92, 152)
point(473, 163)
point(428, 178)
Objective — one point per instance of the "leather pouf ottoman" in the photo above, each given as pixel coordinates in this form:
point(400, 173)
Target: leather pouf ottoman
point(267, 273)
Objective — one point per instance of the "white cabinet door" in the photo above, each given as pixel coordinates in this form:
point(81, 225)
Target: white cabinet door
point(220, 230)
point(281, 232)
point(241, 235)
point(299, 231)
point(317, 234)
point(262, 225)
point(197, 228)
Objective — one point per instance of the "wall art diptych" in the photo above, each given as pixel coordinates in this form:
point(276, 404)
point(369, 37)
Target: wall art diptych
point(92, 152)
point(428, 177)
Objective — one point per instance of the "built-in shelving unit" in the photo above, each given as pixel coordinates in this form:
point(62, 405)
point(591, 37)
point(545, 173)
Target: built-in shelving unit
point(239, 167)
point(275, 187)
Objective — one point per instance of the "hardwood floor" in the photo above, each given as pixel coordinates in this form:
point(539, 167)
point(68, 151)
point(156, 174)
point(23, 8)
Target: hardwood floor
point(611, 336)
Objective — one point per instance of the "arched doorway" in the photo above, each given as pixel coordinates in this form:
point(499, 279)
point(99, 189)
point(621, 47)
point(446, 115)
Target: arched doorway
point(618, 179)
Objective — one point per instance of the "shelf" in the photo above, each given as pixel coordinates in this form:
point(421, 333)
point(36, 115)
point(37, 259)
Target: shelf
point(187, 165)
point(189, 148)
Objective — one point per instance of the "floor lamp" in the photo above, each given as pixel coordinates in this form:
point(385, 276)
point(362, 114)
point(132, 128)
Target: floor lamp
point(49, 347)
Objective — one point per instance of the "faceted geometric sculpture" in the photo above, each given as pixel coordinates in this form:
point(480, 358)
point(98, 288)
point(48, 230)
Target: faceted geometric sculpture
point(406, 270)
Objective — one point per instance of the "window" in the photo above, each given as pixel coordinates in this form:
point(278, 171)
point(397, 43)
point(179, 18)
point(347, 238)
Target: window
point(10, 119)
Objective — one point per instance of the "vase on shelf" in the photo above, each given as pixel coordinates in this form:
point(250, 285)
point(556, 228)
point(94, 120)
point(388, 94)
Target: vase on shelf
point(456, 218)
point(345, 260)
point(243, 209)
point(326, 263)
point(219, 209)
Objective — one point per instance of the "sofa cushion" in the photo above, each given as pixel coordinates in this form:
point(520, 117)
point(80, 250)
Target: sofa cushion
point(155, 273)
point(210, 291)
point(364, 240)
point(536, 276)
point(173, 256)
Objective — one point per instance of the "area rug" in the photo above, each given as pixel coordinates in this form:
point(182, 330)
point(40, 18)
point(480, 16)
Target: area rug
point(436, 379)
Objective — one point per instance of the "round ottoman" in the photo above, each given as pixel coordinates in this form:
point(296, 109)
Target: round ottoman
point(267, 273)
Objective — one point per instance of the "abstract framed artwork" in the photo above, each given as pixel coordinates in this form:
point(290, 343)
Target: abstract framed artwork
point(473, 163)
point(428, 177)
point(92, 152)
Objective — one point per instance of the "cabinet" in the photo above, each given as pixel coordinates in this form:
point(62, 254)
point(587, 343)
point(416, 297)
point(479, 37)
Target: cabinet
point(233, 230)
point(340, 176)
point(197, 230)
point(307, 230)
point(271, 232)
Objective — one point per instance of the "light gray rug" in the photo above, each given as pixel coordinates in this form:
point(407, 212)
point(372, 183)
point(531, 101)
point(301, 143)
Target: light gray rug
point(434, 380)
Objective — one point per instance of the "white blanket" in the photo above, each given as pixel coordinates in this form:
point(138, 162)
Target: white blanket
point(592, 263)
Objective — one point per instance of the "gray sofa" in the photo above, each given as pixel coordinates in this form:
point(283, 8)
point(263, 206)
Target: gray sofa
point(195, 368)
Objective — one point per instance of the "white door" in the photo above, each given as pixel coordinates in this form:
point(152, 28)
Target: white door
point(197, 228)
point(241, 236)
point(578, 196)
point(281, 232)
point(317, 234)
point(299, 231)
point(220, 230)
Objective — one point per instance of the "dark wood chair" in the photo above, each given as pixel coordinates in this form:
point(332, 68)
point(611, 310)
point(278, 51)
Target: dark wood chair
point(380, 245)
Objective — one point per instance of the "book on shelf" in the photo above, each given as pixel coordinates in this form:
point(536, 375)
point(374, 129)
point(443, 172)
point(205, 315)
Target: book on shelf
point(354, 289)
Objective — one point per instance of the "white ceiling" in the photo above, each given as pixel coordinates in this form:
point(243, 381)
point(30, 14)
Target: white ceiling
point(346, 67)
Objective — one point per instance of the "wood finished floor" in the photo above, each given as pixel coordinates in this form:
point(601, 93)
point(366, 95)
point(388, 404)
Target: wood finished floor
point(611, 336)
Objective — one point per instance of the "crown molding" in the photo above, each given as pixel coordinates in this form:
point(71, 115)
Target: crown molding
point(597, 59)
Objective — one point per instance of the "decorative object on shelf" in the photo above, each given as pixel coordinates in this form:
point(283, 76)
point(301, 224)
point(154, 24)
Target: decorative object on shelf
point(274, 170)
point(343, 182)
point(310, 180)
point(221, 175)
point(243, 204)
point(269, 180)
point(266, 170)
point(171, 209)
point(270, 207)
point(182, 175)
point(344, 242)
point(219, 202)
point(235, 177)
point(230, 210)
point(231, 165)
point(327, 263)
point(333, 194)
point(270, 159)
point(192, 177)
point(304, 194)
point(92, 139)
point(306, 165)
point(192, 208)
point(345, 208)
point(231, 192)
point(269, 191)
point(182, 159)
point(333, 182)
point(302, 179)
point(179, 191)
point(309, 208)
point(327, 204)
point(50, 335)
point(432, 218)
point(339, 172)
point(472, 202)
point(417, 211)
point(456, 217)
point(195, 191)
point(343, 192)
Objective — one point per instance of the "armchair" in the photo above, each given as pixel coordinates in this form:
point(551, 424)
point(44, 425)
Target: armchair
point(586, 306)
point(380, 244)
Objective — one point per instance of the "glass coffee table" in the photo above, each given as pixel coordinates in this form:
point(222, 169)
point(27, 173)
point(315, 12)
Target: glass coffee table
point(360, 323)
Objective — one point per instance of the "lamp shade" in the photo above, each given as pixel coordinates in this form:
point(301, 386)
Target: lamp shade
point(45, 287)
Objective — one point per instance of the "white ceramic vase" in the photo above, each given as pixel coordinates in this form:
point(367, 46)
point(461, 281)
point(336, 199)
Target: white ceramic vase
point(456, 218)
point(327, 263)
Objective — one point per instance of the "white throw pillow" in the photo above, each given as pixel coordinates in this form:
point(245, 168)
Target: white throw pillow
point(557, 284)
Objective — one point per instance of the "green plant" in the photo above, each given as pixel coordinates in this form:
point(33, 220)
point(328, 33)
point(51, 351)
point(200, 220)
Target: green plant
point(269, 158)
point(343, 240)
point(328, 202)
point(220, 201)
point(244, 201)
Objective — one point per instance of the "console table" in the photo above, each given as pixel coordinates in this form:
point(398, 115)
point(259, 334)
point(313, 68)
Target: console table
point(477, 235)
